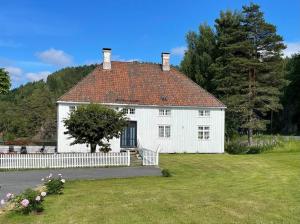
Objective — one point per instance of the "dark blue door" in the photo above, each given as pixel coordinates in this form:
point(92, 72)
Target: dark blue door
point(129, 135)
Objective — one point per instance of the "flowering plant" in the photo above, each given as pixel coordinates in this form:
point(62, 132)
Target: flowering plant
point(29, 201)
point(54, 185)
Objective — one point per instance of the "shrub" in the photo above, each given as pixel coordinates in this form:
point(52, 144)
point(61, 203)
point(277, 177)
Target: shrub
point(236, 148)
point(166, 173)
point(29, 201)
point(54, 185)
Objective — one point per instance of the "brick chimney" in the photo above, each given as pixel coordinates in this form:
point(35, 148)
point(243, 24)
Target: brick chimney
point(165, 61)
point(106, 58)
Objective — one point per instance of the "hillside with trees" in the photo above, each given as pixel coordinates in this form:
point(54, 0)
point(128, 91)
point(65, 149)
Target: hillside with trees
point(29, 111)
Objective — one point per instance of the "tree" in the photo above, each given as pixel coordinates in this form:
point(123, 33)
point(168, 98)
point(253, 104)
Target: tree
point(4, 81)
point(265, 69)
point(199, 56)
point(290, 119)
point(230, 68)
point(94, 124)
point(249, 68)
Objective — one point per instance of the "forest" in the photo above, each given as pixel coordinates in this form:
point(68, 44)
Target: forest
point(240, 60)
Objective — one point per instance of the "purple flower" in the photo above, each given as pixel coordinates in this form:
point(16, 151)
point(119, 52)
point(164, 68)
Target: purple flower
point(24, 203)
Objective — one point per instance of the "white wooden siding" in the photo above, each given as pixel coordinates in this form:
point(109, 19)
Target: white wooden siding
point(184, 124)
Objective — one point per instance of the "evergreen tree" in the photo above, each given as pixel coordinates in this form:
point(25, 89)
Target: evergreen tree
point(265, 69)
point(4, 81)
point(230, 68)
point(200, 56)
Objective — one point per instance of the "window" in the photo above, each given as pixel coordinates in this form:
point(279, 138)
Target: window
point(203, 132)
point(72, 109)
point(164, 112)
point(164, 131)
point(204, 113)
point(129, 110)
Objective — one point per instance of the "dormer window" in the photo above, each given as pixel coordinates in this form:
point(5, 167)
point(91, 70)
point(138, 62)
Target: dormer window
point(164, 112)
point(204, 113)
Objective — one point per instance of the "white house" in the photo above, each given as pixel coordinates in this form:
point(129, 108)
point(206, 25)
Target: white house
point(166, 109)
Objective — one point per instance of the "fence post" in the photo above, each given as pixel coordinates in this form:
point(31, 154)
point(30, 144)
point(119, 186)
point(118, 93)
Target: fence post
point(128, 158)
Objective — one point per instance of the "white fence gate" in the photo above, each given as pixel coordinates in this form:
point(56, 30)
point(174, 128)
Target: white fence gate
point(150, 158)
point(64, 160)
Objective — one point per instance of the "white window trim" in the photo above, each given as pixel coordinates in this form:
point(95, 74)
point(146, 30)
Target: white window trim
point(128, 110)
point(164, 112)
point(204, 116)
point(75, 108)
point(164, 125)
point(209, 132)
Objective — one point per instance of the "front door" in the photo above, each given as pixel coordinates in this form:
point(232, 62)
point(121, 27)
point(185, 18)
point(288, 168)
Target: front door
point(129, 136)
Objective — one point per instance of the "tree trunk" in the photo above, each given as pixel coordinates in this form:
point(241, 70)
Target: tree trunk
point(93, 148)
point(250, 136)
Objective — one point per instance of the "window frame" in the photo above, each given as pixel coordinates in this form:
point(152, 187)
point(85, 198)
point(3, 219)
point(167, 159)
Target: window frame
point(162, 129)
point(72, 110)
point(203, 113)
point(206, 131)
point(164, 112)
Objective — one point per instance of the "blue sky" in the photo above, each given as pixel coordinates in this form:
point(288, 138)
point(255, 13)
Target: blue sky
point(39, 37)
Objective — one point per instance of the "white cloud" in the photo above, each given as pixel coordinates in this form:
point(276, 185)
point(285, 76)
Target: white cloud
point(14, 72)
point(36, 76)
point(55, 57)
point(292, 48)
point(178, 51)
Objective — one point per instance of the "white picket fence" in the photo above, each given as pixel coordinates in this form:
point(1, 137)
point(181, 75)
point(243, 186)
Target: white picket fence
point(150, 158)
point(64, 160)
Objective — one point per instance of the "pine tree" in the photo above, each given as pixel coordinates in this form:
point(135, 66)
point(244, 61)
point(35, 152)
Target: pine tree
point(200, 56)
point(265, 71)
point(4, 81)
point(230, 68)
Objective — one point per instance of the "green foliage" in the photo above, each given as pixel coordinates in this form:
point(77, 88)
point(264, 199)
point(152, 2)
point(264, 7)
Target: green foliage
point(199, 57)
point(54, 186)
point(93, 124)
point(4, 81)
point(290, 118)
point(34, 204)
point(30, 110)
point(242, 62)
point(166, 173)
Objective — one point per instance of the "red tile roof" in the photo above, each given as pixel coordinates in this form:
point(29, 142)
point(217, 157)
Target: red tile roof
point(140, 84)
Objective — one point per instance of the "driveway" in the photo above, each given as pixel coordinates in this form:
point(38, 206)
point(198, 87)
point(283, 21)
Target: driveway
point(17, 181)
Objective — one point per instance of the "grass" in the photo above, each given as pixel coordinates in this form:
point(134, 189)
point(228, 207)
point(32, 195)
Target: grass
point(262, 188)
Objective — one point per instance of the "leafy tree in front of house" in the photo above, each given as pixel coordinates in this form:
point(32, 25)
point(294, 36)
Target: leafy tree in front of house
point(94, 124)
point(4, 81)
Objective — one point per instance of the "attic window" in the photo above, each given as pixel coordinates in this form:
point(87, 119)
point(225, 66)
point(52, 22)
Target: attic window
point(129, 110)
point(204, 113)
point(164, 112)
point(72, 109)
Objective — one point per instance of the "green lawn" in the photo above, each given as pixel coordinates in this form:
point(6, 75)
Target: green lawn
point(261, 188)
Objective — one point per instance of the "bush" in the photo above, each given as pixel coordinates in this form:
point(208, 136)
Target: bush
point(236, 148)
point(29, 201)
point(166, 173)
point(54, 185)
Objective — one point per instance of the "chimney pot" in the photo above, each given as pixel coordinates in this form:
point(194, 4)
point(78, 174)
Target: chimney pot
point(106, 58)
point(165, 61)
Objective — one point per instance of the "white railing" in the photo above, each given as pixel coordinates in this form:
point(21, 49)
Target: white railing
point(64, 160)
point(149, 157)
